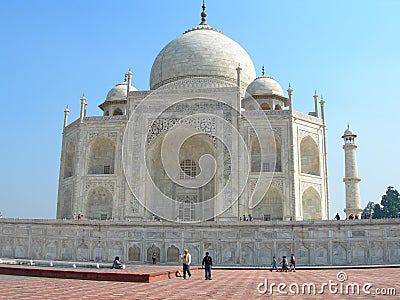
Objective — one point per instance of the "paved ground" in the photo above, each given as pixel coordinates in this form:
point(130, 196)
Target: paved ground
point(225, 284)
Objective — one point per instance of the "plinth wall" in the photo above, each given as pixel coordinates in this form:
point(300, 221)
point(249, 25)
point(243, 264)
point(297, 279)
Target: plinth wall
point(354, 242)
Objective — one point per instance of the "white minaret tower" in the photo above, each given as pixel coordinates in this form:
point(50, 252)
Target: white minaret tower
point(351, 180)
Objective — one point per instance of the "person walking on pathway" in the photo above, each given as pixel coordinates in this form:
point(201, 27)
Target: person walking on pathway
point(207, 263)
point(186, 260)
point(284, 264)
point(273, 265)
point(292, 263)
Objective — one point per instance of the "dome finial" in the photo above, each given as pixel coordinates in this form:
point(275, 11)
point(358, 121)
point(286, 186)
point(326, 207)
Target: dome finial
point(263, 71)
point(203, 15)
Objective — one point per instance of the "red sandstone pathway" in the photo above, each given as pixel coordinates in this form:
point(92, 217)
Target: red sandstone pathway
point(226, 284)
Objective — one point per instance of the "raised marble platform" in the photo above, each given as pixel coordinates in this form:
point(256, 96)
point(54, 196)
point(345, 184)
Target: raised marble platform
point(314, 243)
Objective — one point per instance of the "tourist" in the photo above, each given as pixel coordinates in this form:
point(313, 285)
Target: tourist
point(154, 258)
point(284, 264)
point(351, 217)
point(186, 260)
point(292, 263)
point(117, 264)
point(178, 273)
point(273, 265)
point(337, 217)
point(356, 217)
point(207, 263)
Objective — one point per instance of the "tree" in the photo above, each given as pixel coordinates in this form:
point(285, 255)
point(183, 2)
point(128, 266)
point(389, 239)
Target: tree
point(369, 210)
point(378, 212)
point(391, 203)
point(388, 208)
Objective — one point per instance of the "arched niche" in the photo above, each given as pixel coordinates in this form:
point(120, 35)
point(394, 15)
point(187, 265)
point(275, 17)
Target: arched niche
point(186, 167)
point(102, 156)
point(134, 253)
point(265, 106)
point(118, 112)
point(270, 207)
point(99, 204)
point(172, 254)
point(311, 203)
point(151, 250)
point(265, 152)
point(69, 162)
point(309, 155)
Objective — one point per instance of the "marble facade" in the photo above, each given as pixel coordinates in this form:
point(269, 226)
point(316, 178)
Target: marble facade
point(354, 242)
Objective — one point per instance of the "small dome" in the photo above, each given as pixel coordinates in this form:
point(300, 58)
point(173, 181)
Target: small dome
point(349, 132)
point(118, 92)
point(264, 85)
point(201, 52)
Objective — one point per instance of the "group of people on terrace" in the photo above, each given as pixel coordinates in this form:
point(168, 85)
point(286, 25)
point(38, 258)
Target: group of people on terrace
point(285, 267)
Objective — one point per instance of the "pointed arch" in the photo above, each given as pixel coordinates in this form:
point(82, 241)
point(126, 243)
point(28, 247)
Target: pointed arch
point(172, 254)
point(309, 155)
point(118, 112)
point(311, 203)
point(102, 156)
point(134, 253)
point(69, 162)
point(270, 207)
point(264, 152)
point(150, 251)
point(99, 204)
point(265, 106)
point(187, 168)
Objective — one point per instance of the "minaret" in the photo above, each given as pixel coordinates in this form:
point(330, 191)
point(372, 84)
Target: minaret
point(290, 93)
point(83, 108)
point(129, 76)
point(351, 180)
point(322, 103)
point(315, 103)
point(66, 112)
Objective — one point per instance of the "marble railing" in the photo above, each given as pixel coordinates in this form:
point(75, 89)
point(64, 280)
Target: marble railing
point(105, 118)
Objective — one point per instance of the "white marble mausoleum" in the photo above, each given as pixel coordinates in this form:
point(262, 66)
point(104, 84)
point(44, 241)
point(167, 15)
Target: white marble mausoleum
point(210, 140)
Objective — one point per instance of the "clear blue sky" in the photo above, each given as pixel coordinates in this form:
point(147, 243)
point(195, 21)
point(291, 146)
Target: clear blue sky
point(52, 51)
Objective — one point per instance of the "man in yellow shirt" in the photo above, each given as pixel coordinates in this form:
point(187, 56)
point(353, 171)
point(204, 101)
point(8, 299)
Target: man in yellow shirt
point(186, 260)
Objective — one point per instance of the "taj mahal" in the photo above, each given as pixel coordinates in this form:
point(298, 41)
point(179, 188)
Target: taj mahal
point(215, 98)
point(213, 157)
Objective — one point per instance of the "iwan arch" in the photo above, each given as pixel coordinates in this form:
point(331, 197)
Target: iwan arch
point(209, 144)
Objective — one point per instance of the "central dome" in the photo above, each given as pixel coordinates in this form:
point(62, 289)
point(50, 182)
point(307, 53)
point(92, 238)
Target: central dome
point(201, 52)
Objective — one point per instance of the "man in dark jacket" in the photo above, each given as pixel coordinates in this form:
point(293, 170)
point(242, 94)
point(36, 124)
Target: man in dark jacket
point(207, 263)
